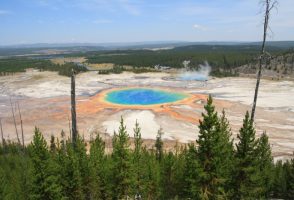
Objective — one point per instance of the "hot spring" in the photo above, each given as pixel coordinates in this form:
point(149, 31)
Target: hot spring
point(143, 96)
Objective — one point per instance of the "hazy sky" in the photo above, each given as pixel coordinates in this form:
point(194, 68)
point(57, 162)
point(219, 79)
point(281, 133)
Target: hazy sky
point(98, 21)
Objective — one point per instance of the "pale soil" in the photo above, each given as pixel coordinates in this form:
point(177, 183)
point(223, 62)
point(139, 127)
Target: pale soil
point(44, 100)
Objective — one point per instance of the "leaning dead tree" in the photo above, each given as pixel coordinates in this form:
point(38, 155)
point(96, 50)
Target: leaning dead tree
point(69, 127)
point(1, 129)
point(263, 58)
point(16, 131)
point(73, 109)
point(21, 126)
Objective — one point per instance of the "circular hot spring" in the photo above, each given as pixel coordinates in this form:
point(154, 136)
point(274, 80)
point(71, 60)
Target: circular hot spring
point(143, 96)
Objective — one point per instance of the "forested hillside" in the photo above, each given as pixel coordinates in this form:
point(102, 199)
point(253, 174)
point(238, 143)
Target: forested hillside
point(223, 58)
point(214, 168)
point(12, 65)
point(279, 66)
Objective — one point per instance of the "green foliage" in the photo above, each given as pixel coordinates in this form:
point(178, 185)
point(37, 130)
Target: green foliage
point(210, 169)
point(121, 163)
point(223, 58)
point(290, 179)
point(64, 70)
point(12, 65)
point(120, 69)
point(191, 185)
point(248, 183)
point(15, 172)
point(175, 57)
point(283, 185)
point(280, 181)
point(150, 174)
point(159, 145)
point(46, 178)
point(137, 158)
point(97, 166)
point(214, 154)
point(265, 162)
point(115, 70)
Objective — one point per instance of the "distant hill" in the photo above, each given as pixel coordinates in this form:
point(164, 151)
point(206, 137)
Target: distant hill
point(226, 48)
point(280, 44)
point(280, 67)
point(69, 48)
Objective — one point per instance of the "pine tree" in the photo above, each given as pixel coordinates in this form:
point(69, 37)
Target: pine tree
point(279, 188)
point(225, 160)
point(167, 184)
point(214, 154)
point(247, 173)
point(265, 162)
point(3, 184)
point(52, 144)
point(191, 185)
point(178, 169)
point(290, 179)
point(97, 167)
point(121, 163)
point(70, 170)
point(80, 153)
point(46, 179)
point(137, 158)
point(151, 175)
point(159, 145)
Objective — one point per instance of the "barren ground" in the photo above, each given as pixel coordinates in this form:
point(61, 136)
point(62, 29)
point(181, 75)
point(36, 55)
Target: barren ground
point(44, 98)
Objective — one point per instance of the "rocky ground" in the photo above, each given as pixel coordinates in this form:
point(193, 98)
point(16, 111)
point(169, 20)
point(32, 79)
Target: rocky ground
point(44, 98)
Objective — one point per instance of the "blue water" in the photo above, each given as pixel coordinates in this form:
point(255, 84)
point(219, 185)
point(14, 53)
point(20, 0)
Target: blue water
point(193, 76)
point(142, 96)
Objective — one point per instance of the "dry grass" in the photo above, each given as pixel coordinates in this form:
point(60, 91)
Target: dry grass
point(101, 66)
point(37, 77)
point(61, 61)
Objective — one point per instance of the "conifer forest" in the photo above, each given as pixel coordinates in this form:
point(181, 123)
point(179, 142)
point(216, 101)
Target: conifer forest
point(215, 168)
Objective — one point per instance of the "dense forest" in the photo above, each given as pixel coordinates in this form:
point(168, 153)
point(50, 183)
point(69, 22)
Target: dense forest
point(213, 167)
point(12, 65)
point(222, 58)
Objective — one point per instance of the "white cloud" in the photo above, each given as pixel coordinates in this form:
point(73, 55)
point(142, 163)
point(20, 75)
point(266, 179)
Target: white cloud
point(199, 27)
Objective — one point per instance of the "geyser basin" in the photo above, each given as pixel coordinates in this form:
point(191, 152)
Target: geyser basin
point(143, 96)
point(193, 77)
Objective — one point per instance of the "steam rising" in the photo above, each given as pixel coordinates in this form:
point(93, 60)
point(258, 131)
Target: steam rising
point(195, 75)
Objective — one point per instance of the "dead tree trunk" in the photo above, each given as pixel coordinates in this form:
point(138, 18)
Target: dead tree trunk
point(269, 5)
point(69, 127)
point(16, 131)
point(22, 135)
point(73, 109)
point(2, 136)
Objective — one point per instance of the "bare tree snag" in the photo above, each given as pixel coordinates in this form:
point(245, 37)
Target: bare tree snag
point(269, 5)
point(73, 109)
point(21, 126)
point(16, 131)
point(69, 127)
point(2, 136)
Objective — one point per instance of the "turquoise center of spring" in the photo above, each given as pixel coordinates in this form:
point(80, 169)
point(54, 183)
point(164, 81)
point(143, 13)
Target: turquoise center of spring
point(143, 96)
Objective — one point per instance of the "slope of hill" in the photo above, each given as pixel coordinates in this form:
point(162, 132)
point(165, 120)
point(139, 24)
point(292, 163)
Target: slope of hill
point(280, 67)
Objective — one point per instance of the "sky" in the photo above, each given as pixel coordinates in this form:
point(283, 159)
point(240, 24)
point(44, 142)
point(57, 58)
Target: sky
point(103, 21)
